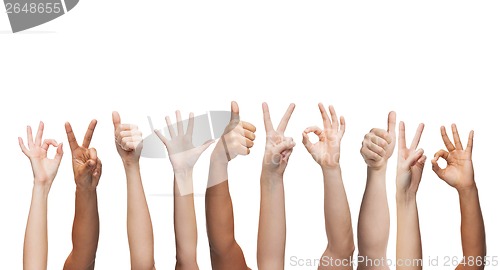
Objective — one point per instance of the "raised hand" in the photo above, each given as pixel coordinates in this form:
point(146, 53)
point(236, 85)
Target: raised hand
point(326, 152)
point(44, 168)
point(278, 147)
point(87, 167)
point(128, 140)
point(378, 145)
point(410, 162)
point(181, 151)
point(459, 172)
point(237, 139)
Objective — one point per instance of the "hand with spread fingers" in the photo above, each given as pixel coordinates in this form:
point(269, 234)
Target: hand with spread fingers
point(237, 138)
point(278, 147)
point(378, 145)
point(128, 140)
point(181, 151)
point(44, 171)
point(459, 172)
point(410, 162)
point(326, 152)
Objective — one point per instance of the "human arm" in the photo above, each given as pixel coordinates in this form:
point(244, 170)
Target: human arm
point(44, 171)
point(87, 168)
point(374, 221)
point(272, 221)
point(409, 174)
point(128, 140)
point(183, 156)
point(237, 140)
point(326, 152)
point(459, 174)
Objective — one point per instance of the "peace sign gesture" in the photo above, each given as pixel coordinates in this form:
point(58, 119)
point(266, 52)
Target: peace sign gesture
point(326, 152)
point(410, 162)
point(459, 172)
point(87, 167)
point(278, 147)
point(44, 169)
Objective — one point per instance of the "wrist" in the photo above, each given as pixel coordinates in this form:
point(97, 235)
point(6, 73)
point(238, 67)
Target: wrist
point(85, 189)
point(376, 169)
point(405, 197)
point(218, 159)
point(42, 189)
point(466, 191)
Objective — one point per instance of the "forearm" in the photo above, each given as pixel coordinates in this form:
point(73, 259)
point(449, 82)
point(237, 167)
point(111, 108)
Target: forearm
point(374, 220)
point(35, 240)
point(219, 210)
point(186, 233)
point(472, 226)
point(139, 227)
point(85, 230)
point(409, 245)
point(272, 222)
point(337, 215)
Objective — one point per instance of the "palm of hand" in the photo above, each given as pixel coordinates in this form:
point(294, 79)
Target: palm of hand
point(459, 173)
point(182, 153)
point(326, 152)
point(44, 169)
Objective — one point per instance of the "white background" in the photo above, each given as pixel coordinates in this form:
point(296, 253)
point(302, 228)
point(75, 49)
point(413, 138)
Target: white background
point(435, 62)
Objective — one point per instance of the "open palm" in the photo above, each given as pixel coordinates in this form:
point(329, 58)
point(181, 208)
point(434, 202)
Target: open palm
point(181, 151)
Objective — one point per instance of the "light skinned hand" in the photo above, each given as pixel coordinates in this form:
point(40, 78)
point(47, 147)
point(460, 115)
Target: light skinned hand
point(237, 139)
point(87, 167)
point(128, 140)
point(326, 152)
point(378, 145)
point(44, 168)
point(459, 172)
point(278, 147)
point(411, 162)
point(181, 151)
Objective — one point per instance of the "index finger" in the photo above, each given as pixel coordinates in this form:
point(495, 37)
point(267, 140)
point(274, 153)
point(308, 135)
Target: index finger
point(286, 118)
point(89, 133)
point(267, 118)
point(73, 144)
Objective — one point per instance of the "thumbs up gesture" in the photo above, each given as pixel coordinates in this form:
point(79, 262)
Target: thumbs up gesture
point(128, 140)
point(378, 144)
point(237, 138)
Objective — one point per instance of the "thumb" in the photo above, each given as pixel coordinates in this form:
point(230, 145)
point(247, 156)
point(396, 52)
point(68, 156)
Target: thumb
point(391, 123)
point(90, 165)
point(235, 111)
point(116, 119)
point(287, 144)
point(204, 146)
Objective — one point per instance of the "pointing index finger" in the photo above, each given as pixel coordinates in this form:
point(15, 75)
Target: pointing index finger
point(89, 134)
